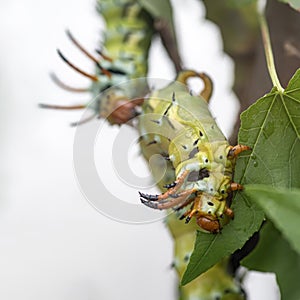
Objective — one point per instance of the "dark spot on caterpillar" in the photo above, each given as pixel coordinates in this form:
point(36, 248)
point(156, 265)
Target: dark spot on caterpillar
point(186, 258)
point(193, 152)
point(210, 203)
point(173, 97)
point(105, 88)
point(198, 175)
point(193, 176)
point(221, 157)
point(195, 142)
point(206, 160)
point(151, 143)
point(156, 121)
point(201, 133)
point(203, 173)
point(165, 155)
point(173, 265)
point(116, 71)
point(126, 37)
point(184, 147)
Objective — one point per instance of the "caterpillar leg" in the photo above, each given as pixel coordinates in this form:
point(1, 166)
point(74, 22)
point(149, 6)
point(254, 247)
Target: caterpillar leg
point(170, 202)
point(172, 192)
point(236, 186)
point(229, 212)
point(234, 151)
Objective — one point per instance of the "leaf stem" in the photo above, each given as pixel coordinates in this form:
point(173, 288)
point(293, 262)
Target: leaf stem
point(269, 52)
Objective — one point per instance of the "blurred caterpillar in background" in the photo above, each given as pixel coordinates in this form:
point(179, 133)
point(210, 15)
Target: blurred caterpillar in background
point(172, 123)
point(129, 30)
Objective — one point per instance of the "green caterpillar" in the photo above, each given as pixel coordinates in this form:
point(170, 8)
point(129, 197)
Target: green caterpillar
point(129, 30)
point(176, 125)
point(200, 160)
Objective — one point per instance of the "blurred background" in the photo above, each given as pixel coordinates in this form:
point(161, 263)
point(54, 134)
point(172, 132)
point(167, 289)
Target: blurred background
point(53, 243)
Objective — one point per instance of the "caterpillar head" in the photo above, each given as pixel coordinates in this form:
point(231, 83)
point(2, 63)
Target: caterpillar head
point(117, 108)
point(208, 223)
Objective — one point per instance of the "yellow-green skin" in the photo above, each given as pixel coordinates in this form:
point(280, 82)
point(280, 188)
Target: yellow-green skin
point(127, 38)
point(189, 115)
point(127, 35)
point(180, 125)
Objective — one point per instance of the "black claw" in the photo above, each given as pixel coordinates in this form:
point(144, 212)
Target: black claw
point(149, 204)
point(182, 217)
point(187, 220)
point(149, 197)
point(170, 185)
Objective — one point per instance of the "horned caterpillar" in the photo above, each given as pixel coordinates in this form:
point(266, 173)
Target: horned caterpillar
point(122, 57)
point(200, 161)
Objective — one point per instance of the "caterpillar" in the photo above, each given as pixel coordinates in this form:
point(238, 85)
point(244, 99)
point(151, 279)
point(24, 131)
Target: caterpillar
point(179, 126)
point(172, 123)
point(129, 29)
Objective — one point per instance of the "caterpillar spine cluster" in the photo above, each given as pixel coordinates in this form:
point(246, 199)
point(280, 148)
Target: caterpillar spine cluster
point(129, 29)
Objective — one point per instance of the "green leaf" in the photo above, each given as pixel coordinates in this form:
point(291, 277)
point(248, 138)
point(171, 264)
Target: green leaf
point(293, 3)
point(282, 207)
point(274, 254)
point(211, 248)
point(271, 127)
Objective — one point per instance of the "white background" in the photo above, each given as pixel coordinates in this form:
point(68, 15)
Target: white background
point(53, 243)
